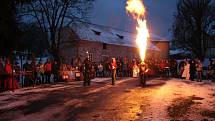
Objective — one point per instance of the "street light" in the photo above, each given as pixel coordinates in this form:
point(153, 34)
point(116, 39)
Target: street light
point(88, 56)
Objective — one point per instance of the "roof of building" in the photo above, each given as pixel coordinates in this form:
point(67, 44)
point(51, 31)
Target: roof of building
point(108, 35)
point(179, 51)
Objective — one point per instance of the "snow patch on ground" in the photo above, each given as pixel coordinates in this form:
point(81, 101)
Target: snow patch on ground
point(149, 103)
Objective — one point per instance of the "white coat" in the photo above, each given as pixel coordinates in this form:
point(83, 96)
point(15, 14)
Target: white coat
point(186, 72)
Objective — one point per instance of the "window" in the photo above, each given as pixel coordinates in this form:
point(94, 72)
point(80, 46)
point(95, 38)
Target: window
point(91, 57)
point(104, 46)
point(120, 36)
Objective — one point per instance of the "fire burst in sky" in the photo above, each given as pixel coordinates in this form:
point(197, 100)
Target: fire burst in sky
point(137, 10)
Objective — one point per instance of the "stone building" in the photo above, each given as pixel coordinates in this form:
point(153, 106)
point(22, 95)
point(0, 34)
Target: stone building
point(101, 43)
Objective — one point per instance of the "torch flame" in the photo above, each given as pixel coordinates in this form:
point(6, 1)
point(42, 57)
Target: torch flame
point(137, 10)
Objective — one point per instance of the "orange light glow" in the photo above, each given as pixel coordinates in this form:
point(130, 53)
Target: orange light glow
point(137, 10)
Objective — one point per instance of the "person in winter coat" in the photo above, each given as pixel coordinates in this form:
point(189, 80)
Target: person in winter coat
point(181, 67)
point(28, 74)
point(34, 71)
point(113, 70)
point(174, 66)
point(186, 72)
point(135, 70)
point(48, 71)
point(199, 71)
point(100, 70)
point(56, 68)
point(10, 83)
point(192, 69)
point(142, 73)
point(87, 72)
point(40, 72)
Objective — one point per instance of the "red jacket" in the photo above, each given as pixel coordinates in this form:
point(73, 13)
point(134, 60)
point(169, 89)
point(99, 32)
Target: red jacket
point(113, 65)
point(8, 68)
point(48, 67)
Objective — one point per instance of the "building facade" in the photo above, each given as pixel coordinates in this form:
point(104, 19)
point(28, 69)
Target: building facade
point(101, 43)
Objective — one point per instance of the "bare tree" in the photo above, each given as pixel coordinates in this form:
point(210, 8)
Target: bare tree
point(8, 27)
point(192, 21)
point(53, 15)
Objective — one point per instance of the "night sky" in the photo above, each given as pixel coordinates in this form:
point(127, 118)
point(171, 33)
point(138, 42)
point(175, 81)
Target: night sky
point(112, 13)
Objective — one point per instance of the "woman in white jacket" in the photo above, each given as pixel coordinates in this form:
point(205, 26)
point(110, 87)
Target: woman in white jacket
point(186, 72)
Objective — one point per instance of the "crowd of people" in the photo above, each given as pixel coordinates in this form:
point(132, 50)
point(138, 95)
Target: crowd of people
point(127, 68)
point(189, 69)
point(193, 69)
point(38, 72)
point(31, 73)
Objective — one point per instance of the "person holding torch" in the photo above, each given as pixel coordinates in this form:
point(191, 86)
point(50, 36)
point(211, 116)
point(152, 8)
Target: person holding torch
point(143, 72)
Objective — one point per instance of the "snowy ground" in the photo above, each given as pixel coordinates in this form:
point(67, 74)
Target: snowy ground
point(160, 100)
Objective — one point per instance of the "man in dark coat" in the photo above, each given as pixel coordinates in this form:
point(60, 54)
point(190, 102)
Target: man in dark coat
point(174, 66)
point(28, 74)
point(87, 69)
point(56, 68)
point(192, 69)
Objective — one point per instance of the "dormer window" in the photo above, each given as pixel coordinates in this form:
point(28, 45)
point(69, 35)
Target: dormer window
point(120, 36)
point(96, 32)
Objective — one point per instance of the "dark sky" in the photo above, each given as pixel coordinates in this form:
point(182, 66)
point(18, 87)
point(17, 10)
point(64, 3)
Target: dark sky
point(112, 13)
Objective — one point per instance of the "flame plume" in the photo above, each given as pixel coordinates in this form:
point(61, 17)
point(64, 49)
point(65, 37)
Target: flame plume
point(137, 10)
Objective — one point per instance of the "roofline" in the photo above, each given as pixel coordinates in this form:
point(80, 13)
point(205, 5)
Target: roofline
point(119, 29)
point(105, 26)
